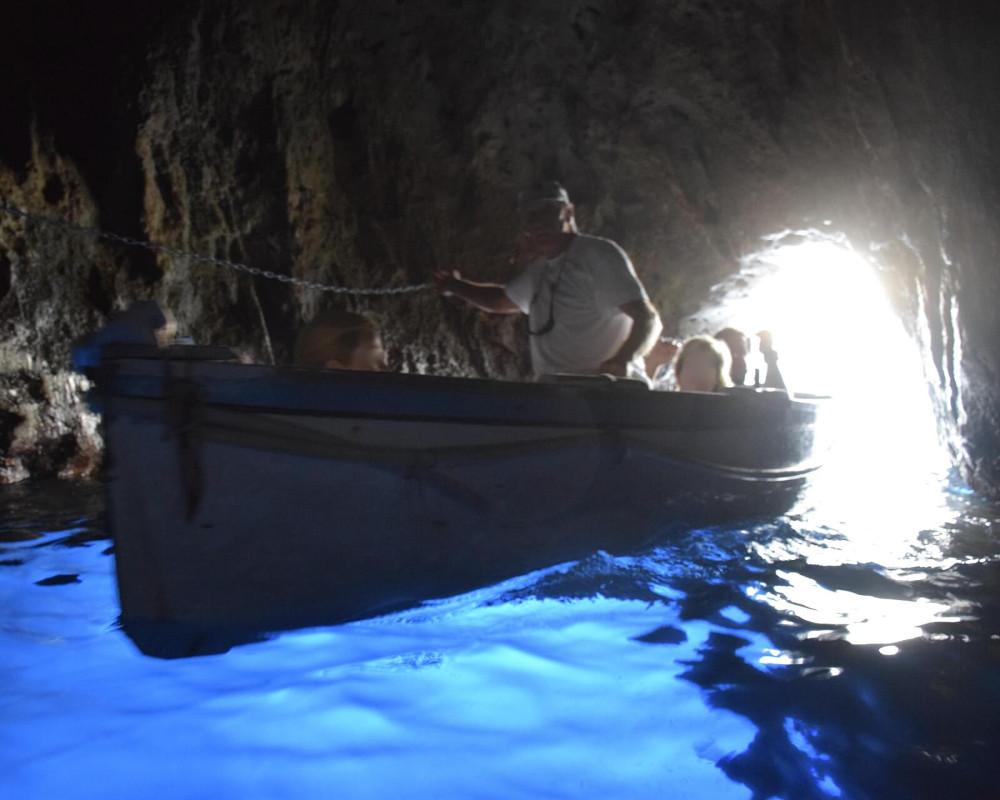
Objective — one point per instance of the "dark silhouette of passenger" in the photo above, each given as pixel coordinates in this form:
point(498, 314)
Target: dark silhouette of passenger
point(739, 348)
point(773, 379)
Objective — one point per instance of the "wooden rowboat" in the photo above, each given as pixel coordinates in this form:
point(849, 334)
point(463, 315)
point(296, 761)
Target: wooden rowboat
point(246, 499)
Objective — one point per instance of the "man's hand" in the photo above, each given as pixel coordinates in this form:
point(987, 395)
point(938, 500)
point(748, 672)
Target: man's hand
point(445, 280)
point(614, 366)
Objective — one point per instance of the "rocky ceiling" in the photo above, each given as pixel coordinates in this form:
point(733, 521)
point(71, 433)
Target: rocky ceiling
point(367, 143)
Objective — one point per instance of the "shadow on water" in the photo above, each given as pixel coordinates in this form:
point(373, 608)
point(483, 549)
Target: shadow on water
point(31, 510)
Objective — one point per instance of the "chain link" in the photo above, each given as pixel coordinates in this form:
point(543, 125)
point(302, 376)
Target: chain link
point(97, 233)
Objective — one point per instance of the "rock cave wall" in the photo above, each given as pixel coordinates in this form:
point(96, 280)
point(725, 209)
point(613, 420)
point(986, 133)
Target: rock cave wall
point(367, 143)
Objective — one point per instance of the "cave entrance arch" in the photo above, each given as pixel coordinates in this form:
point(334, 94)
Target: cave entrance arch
point(836, 333)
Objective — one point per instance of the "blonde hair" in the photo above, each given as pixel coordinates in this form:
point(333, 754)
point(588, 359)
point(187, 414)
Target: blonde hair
point(332, 336)
point(717, 352)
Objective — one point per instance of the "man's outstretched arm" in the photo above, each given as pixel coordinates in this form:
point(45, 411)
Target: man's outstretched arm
point(487, 296)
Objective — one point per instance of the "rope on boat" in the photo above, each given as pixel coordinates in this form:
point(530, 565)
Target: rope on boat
point(96, 233)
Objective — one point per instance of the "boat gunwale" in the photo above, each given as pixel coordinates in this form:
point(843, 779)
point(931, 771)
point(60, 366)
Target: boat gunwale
point(544, 404)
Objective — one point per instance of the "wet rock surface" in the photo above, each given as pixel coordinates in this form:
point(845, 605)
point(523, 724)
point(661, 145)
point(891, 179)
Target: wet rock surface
point(365, 144)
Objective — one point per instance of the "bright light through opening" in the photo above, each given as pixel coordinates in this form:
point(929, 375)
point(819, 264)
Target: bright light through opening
point(836, 334)
point(831, 322)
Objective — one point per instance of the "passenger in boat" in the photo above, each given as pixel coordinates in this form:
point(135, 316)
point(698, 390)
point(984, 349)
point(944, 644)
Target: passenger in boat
point(588, 313)
point(702, 365)
point(773, 379)
point(142, 323)
point(739, 348)
point(660, 360)
point(339, 339)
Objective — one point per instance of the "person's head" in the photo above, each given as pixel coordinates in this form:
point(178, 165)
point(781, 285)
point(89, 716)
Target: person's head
point(340, 339)
point(545, 214)
point(739, 348)
point(702, 365)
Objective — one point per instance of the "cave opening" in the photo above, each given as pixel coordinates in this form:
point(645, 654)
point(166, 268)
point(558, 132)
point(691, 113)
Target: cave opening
point(837, 334)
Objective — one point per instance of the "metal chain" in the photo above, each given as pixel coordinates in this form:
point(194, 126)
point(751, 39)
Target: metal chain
point(97, 233)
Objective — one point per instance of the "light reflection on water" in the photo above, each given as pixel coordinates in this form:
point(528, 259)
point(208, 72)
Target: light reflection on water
point(738, 661)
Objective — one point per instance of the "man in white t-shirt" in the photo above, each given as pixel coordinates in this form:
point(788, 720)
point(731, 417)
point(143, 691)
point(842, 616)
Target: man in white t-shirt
point(587, 311)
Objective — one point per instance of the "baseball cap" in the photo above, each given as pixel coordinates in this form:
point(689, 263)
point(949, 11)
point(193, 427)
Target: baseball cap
point(542, 192)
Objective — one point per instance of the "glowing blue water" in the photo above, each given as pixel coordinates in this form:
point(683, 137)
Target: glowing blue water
point(803, 657)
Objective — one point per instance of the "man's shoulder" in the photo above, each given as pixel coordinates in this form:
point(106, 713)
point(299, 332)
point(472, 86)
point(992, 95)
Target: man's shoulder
point(599, 247)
